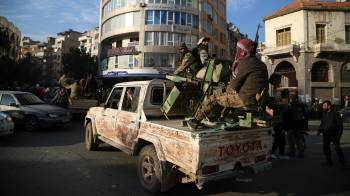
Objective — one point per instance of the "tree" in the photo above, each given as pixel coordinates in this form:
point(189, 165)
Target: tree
point(25, 71)
point(79, 63)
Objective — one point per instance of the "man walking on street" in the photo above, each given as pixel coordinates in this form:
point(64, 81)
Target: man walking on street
point(332, 128)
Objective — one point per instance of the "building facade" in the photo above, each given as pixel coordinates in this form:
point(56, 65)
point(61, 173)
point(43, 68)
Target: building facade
point(63, 43)
point(142, 36)
point(308, 43)
point(10, 39)
point(90, 41)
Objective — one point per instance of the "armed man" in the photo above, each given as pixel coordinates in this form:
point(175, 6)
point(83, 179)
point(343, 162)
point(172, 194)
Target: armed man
point(202, 50)
point(250, 78)
point(188, 63)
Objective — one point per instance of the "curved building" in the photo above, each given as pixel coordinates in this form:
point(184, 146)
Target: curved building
point(140, 37)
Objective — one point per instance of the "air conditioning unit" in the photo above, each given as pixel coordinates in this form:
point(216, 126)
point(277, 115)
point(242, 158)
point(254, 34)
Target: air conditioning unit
point(143, 4)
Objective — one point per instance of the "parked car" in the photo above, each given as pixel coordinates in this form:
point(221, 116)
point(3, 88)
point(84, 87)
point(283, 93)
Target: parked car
point(345, 114)
point(6, 125)
point(28, 110)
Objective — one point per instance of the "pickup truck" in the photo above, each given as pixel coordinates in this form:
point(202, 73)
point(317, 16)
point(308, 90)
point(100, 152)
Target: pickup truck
point(168, 151)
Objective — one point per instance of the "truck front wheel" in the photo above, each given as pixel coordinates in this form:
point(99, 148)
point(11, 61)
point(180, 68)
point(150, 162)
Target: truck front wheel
point(148, 169)
point(90, 143)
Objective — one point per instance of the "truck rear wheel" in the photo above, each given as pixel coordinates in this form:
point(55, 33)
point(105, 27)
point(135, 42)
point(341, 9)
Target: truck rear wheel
point(148, 169)
point(90, 143)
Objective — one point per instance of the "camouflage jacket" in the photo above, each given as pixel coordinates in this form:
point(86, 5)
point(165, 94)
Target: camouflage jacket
point(187, 61)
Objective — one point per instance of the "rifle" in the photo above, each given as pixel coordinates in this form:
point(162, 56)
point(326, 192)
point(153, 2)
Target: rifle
point(256, 41)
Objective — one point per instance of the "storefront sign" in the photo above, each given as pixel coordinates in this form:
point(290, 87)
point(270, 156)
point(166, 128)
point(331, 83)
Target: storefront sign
point(122, 51)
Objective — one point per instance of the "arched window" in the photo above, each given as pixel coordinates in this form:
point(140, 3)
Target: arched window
point(321, 72)
point(287, 71)
point(345, 73)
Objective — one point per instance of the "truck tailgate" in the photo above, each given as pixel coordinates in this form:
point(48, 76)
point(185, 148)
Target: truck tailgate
point(221, 151)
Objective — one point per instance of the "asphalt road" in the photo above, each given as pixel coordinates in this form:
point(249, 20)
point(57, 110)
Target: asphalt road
point(54, 162)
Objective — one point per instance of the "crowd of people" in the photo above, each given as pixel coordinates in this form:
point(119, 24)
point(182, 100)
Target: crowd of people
point(292, 124)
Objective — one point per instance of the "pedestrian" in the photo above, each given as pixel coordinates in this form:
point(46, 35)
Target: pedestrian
point(251, 79)
point(332, 129)
point(297, 116)
point(279, 129)
point(346, 101)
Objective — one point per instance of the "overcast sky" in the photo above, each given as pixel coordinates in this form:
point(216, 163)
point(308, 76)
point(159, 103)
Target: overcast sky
point(42, 18)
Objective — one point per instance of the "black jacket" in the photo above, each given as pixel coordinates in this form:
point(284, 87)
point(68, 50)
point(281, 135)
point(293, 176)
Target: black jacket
point(252, 78)
point(331, 124)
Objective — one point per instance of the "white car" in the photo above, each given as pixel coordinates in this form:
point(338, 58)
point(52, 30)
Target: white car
point(6, 125)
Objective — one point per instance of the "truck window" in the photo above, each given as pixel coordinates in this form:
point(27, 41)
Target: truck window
point(157, 95)
point(131, 99)
point(114, 99)
point(7, 100)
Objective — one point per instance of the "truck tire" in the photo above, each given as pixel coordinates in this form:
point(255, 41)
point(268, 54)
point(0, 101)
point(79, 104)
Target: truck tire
point(31, 123)
point(90, 143)
point(149, 170)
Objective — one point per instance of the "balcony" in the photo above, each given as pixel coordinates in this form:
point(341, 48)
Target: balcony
point(292, 50)
point(324, 48)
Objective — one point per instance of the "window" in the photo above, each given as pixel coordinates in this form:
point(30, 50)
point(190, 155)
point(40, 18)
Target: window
point(7, 100)
point(163, 39)
point(160, 59)
point(157, 96)
point(189, 20)
point(170, 39)
point(149, 38)
point(177, 18)
point(195, 21)
point(114, 99)
point(189, 3)
point(321, 33)
point(156, 17)
point(163, 17)
point(149, 17)
point(170, 18)
point(183, 18)
point(283, 37)
point(347, 34)
point(131, 99)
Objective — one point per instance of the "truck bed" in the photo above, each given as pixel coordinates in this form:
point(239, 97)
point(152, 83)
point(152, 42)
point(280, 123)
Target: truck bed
point(175, 123)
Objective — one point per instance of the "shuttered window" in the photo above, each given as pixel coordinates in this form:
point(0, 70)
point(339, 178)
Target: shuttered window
point(283, 37)
point(321, 33)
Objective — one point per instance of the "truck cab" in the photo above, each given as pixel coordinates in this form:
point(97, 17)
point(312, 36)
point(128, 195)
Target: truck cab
point(169, 152)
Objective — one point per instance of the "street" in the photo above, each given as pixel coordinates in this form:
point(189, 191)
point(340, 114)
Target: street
point(54, 161)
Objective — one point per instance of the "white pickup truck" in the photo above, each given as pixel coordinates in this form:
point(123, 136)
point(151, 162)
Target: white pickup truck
point(131, 120)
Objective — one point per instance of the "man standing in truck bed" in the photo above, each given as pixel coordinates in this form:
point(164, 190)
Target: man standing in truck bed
point(250, 78)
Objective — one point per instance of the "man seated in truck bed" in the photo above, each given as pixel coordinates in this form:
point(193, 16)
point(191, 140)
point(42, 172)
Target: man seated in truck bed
point(250, 79)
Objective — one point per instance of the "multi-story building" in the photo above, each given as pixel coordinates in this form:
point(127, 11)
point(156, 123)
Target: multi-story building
point(10, 39)
point(140, 37)
point(90, 41)
point(63, 43)
point(308, 43)
point(42, 54)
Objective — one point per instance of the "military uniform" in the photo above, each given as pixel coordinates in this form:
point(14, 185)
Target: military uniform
point(187, 64)
point(252, 78)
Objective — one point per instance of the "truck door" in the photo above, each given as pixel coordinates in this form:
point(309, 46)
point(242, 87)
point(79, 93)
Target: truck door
point(107, 120)
point(128, 117)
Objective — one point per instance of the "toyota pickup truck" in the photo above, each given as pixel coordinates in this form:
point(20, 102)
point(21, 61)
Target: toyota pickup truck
point(168, 151)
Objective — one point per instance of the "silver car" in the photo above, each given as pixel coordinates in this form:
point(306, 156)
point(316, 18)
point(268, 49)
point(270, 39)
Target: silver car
point(27, 109)
point(6, 125)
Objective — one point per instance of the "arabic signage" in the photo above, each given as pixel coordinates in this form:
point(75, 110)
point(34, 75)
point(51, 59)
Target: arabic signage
point(131, 50)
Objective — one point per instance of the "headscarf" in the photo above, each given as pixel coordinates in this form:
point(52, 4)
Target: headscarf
point(245, 47)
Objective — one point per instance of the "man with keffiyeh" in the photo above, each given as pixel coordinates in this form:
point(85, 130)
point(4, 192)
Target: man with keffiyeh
point(250, 77)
